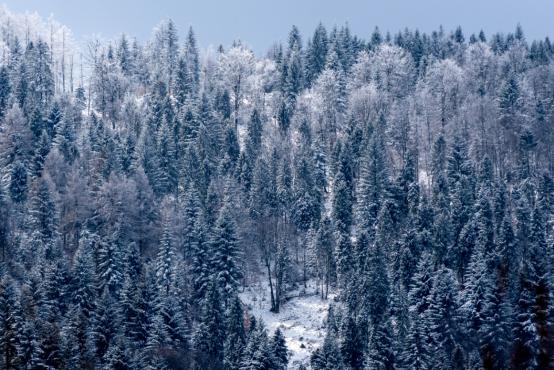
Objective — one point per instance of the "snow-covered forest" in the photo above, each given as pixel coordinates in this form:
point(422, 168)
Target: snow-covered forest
point(380, 201)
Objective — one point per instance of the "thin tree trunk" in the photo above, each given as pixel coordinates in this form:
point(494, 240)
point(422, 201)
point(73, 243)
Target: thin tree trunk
point(270, 283)
point(305, 273)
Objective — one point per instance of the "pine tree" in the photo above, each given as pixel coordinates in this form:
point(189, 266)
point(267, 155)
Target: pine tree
point(258, 354)
point(325, 256)
point(282, 274)
point(191, 53)
point(41, 152)
point(477, 284)
point(157, 343)
point(84, 275)
point(316, 54)
point(373, 183)
point(254, 141)
point(342, 204)
point(40, 77)
point(42, 218)
point(48, 317)
point(209, 337)
point(532, 328)
point(231, 151)
point(235, 341)
point(495, 334)
point(5, 89)
point(18, 186)
point(352, 346)
point(187, 72)
point(166, 173)
point(374, 285)
point(294, 78)
point(65, 140)
point(343, 259)
point(165, 263)
point(109, 261)
point(307, 200)
point(10, 323)
point(279, 350)
point(104, 323)
point(78, 344)
point(117, 357)
point(415, 355)
point(380, 353)
point(225, 249)
point(5, 250)
point(509, 100)
point(328, 357)
point(409, 253)
point(442, 318)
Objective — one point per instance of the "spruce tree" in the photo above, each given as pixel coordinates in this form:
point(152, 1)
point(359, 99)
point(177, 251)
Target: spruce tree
point(373, 183)
point(226, 253)
point(316, 54)
point(352, 345)
point(18, 186)
point(328, 356)
point(4, 90)
point(10, 322)
point(235, 340)
point(380, 349)
point(442, 318)
point(279, 350)
point(209, 337)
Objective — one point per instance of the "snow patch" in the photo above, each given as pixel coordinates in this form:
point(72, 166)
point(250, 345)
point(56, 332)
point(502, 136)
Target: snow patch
point(301, 318)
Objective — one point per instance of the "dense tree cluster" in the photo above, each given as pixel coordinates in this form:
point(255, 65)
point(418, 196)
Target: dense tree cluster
point(410, 173)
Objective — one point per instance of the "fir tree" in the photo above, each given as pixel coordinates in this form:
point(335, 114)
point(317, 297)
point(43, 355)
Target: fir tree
point(209, 337)
point(316, 54)
point(18, 186)
point(352, 346)
point(10, 323)
point(328, 357)
point(380, 353)
point(165, 263)
point(4, 90)
point(225, 247)
point(442, 318)
point(279, 350)
point(235, 341)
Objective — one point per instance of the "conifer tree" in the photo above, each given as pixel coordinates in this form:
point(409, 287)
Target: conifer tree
point(65, 140)
point(328, 357)
point(18, 186)
point(352, 346)
point(4, 90)
point(165, 264)
point(235, 341)
point(373, 183)
point(316, 54)
point(209, 337)
point(166, 173)
point(226, 253)
point(279, 350)
point(109, 260)
point(10, 322)
point(442, 318)
point(381, 353)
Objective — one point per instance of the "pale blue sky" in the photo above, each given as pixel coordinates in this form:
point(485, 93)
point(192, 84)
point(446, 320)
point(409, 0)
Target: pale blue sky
point(261, 22)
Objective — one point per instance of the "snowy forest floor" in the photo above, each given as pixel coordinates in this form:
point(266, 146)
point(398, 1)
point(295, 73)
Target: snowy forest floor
point(301, 318)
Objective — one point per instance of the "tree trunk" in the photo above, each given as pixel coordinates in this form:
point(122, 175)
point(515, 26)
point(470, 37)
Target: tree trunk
point(270, 284)
point(304, 272)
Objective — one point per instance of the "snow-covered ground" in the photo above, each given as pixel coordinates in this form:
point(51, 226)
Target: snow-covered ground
point(301, 319)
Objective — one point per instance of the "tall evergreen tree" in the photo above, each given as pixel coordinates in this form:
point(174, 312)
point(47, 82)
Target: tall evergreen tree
point(226, 253)
point(209, 337)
